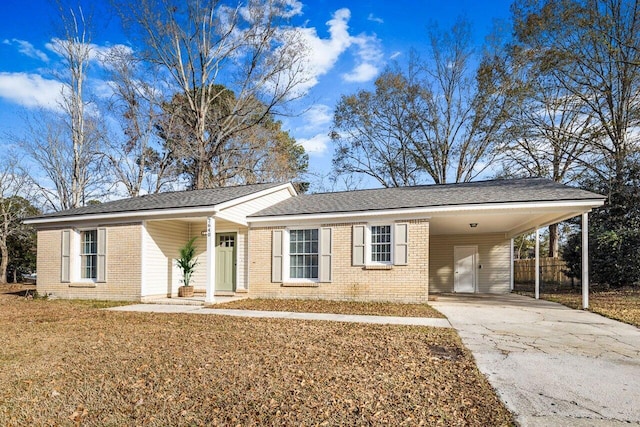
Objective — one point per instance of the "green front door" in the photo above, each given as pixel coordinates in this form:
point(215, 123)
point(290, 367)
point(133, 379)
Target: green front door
point(226, 262)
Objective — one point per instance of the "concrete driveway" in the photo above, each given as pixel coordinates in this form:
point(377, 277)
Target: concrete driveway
point(551, 365)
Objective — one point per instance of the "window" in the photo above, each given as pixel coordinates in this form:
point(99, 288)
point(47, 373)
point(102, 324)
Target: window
point(88, 254)
point(303, 254)
point(84, 256)
point(376, 245)
point(301, 257)
point(381, 243)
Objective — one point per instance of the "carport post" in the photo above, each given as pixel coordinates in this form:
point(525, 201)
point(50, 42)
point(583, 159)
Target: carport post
point(511, 279)
point(537, 272)
point(585, 261)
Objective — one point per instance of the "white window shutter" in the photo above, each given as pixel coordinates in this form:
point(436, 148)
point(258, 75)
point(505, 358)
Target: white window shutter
point(358, 245)
point(325, 274)
point(101, 267)
point(277, 242)
point(65, 271)
point(401, 244)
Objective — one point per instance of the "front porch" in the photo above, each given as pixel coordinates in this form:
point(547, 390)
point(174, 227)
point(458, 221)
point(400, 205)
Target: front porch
point(221, 270)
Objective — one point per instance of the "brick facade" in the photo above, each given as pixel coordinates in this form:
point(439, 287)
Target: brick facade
point(400, 283)
point(123, 265)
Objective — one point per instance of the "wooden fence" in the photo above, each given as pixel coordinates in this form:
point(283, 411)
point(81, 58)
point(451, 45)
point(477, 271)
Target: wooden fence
point(552, 272)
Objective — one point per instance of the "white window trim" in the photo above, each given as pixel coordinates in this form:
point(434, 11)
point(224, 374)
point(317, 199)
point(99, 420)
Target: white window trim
point(76, 257)
point(367, 244)
point(286, 255)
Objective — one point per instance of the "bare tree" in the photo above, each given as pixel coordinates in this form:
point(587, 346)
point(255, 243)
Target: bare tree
point(372, 131)
point(591, 48)
point(206, 49)
point(47, 142)
point(76, 50)
point(439, 118)
point(14, 187)
point(63, 143)
point(549, 134)
point(135, 154)
point(465, 109)
point(579, 92)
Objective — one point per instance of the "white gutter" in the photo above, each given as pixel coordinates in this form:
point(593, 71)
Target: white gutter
point(146, 214)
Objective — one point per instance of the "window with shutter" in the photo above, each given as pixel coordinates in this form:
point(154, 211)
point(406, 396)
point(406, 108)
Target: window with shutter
point(65, 276)
point(88, 254)
point(380, 244)
point(303, 254)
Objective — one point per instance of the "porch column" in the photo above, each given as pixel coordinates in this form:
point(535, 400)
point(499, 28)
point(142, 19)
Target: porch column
point(511, 279)
point(585, 261)
point(211, 260)
point(537, 267)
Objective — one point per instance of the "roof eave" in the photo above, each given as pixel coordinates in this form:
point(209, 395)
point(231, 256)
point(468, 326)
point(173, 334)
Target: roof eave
point(137, 215)
point(210, 210)
point(585, 204)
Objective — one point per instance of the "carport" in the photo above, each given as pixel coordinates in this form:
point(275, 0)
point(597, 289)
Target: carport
point(489, 226)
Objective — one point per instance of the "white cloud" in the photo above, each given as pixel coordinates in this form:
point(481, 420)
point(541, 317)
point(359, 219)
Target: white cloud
point(395, 54)
point(316, 145)
point(362, 73)
point(316, 117)
point(370, 56)
point(26, 48)
point(374, 18)
point(282, 8)
point(102, 88)
point(291, 8)
point(325, 52)
point(31, 90)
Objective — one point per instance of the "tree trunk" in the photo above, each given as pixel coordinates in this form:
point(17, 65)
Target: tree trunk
point(554, 237)
point(4, 262)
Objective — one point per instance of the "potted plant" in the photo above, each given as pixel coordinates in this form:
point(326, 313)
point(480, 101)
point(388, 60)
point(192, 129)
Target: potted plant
point(187, 263)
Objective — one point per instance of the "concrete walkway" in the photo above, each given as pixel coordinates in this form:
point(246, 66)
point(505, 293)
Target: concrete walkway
point(351, 318)
point(551, 365)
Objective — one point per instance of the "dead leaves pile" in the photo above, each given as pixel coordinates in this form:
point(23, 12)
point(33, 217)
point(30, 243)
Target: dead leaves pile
point(337, 307)
point(622, 305)
point(65, 364)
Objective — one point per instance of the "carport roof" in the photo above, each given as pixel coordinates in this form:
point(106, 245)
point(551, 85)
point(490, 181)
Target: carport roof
point(493, 192)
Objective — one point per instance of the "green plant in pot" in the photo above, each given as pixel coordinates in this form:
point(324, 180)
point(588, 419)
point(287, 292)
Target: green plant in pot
point(187, 263)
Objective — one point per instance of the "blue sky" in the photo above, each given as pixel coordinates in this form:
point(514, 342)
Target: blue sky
point(352, 43)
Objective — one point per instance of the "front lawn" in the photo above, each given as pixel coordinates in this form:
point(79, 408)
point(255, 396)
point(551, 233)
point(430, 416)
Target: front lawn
point(337, 307)
point(71, 364)
point(622, 305)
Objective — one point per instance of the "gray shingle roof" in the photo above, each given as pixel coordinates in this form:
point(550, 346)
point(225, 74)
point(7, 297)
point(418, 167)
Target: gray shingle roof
point(425, 196)
point(170, 200)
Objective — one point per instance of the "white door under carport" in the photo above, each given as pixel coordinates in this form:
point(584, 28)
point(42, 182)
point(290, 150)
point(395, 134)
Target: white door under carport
point(465, 261)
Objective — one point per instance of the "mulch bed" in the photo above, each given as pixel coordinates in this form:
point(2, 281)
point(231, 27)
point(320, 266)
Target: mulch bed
point(337, 307)
point(63, 363)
